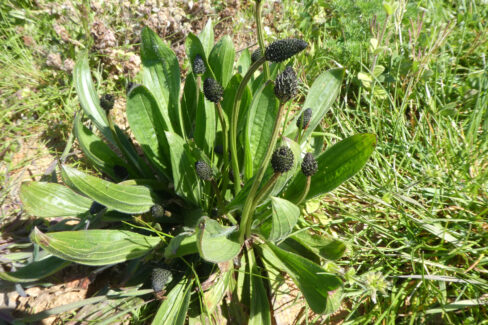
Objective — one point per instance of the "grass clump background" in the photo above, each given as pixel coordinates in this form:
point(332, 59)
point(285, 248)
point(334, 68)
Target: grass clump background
point(414, 220)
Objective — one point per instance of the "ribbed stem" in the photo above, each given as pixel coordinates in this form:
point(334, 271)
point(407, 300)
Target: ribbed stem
point(233, 125)
point(248, 204)
point(305, 191)
point(225, 139)
point(259, 27)
point(266, 188)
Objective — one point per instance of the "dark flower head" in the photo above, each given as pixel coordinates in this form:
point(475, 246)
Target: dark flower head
point(96, 207)
point(256, 55)
point(157, 211)
point(160, 278)
point(121, 172)
point(213, 90)
point(304, 120)
point(107, 102)
point(203, 170)
point(198, 65)
point(286, 85)
point(284, 49)
point(282, 159)
point(309, 165)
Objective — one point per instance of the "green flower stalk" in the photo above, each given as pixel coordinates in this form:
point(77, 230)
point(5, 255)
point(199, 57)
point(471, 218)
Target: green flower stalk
point(276, 52)
point(309, 168)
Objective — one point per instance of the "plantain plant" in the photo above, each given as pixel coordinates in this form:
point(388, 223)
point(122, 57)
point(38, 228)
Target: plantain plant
point(205, 205)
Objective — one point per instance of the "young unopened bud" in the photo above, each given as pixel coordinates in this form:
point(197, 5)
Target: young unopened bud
point(157, 211)
point(204, 171)
point(309, 165)
point(198, 65)
point(304, 120)
point(282, 159)
point(284, 49)
point(213, 90)
point(96, 207)
point(256, 55)
point(286, 85)
point(160, 278)
point(121, 172)
point(107, 102)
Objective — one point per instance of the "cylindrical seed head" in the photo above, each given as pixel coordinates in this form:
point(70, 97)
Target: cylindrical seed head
point(121, 172)
point(198, 65)
point(304, 120)
point(309, 165)
point(204, 171)
point(256, 55)
point(157, 211)
point(213, 90)
point(96, 207)
point(286, 85)
point(284, 49)
point(282, 159)
point(160, 278)
point(107, 102)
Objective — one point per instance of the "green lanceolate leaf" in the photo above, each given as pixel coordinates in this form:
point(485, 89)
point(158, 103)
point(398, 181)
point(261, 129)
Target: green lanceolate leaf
point(328, 248)
point(185, 179)
point(321, 96)
point(35, 271)
point(336, 165)
point(216, 243)
point(174, 308)
point(88, 97)
point(260, 121)
point(95, 247)
point(285, 216)
point(228, 101)
point(181, 245)
point(147, 124)
point(213, 296)
point(221, 60)
point(205, 125)
point(244, 62)
point(97, 151)
point(161, 75)
point(189, 102)
point(314, 282)
point(260, 309)
point(195, 47)
point(123, 198)
point(207, 37)
point(49, 200)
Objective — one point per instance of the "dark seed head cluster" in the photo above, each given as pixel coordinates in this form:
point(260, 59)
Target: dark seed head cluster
point(160, 278)
point(107, 102)
point(198, 65)
point(213, 90)
point(286, 85)
point(309, 165)
point(282, 159)
point(157, 211)
point(204, 171)
point(304, 120)
point(256, 55)
point(284, 49)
